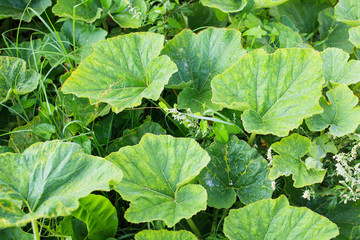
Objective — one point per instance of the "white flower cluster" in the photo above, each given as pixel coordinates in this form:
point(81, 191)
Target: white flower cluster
point(136, 13)
point(346, 168)
point(308, 194)
point(183, 118)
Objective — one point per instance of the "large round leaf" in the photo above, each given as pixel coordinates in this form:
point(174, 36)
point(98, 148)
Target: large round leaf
point(165, 235)
point(199, 59)
point(14, 78)
point(122, 70)
point(275, 219)
point(49, 178)
point(19, 9)
point(348, 11)
point(156, 176)
point(340, 113)
point(226, 5)
point(355, 36)
point(337, 69)
point(235, 169)
point(277, 90)
point(289, 161)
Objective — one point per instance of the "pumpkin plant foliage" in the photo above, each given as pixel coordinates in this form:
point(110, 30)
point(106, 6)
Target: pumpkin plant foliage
point(276, 219)
point(174, 119)
point(277, 91)
point(235, 170)
point(42, 169)
point(157, 176)
point(135, 71)
point(199, 59)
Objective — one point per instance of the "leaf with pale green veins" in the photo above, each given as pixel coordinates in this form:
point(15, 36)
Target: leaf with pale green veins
point(348, 11)
point(165, 235)
point(122, 70)
point(99, 215)
point(355, 36)
point(340, 113)
point(235, 169)
point(226, 5)
point(50, 178)
point(199, 58)
point(277, 91)
point(79, 8)
point(275, 219)
point(157, 176)
point(337, 69)
point(291, 150)
point(15, 79)
point(20, 9)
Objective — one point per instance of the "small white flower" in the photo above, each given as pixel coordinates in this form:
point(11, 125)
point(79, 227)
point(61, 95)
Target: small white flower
point(307, 194)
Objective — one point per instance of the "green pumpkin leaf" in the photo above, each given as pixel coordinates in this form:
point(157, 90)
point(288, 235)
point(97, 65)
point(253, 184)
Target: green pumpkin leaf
point(339, 113)
point(23, 137)
point(80, 108)
point(72, 227)
point(83, 35)
point(133, 136)
point(157, 173)
point(164, 235)
point(99, 215)
point(276, 90)
point(346, 217)
point(15, 79)
point(15, 234)
point(199, 59)
point(82, 11)
point(268, 3)
point(289, 161)
point(235, 169)
point(274, 219)
point(126, 68)
point(303, 13)
point(50, 178)
point(226, 5)
point(337, 69)
point(19, 9)
point(355, 36)
point(348, 11)
point(332, 32)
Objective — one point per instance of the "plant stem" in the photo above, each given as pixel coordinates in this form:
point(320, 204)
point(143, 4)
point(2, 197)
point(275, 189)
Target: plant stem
point(214, 222)
point(251, 139)
point(35, 230)
point(164, 102)
point(193, 227)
